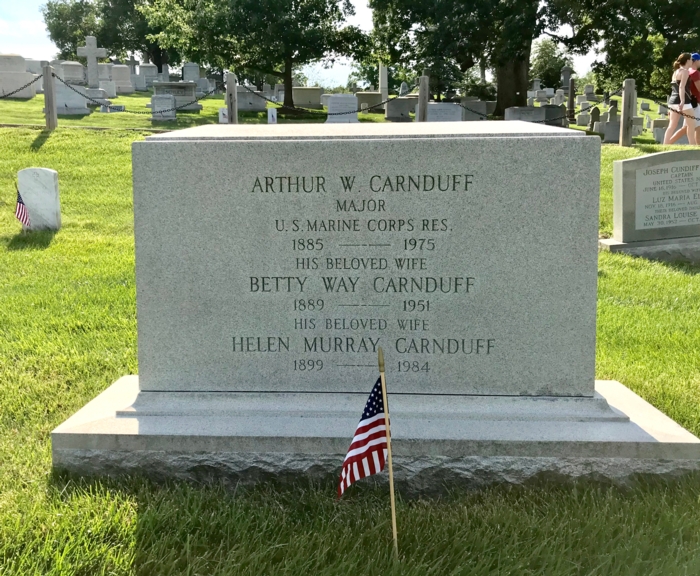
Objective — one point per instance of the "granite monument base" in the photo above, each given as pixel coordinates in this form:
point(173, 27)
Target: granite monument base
point(667, 250)
point(459, 441)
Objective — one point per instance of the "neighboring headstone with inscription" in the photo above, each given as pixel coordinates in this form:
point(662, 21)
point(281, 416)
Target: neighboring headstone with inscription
point(342, 109)
point(656, 206)
point(272, 262)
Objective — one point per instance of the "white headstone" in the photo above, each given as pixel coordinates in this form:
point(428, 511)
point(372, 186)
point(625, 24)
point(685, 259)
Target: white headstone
point(104, 72)
point(91, 52)
point(272, 115)
point(342, 109)
point(121, 75)
point(150, 71)
point(36, 67)
point(404, 89)
point(190, 72)
point(223, 115)
point(39, 190)
point(443, 112)
point(73, 73)
point(109, 88)
point(70, 100)
point(139, 82)
point(203, 85)
point(14, 75)
point(162, 107)
point(132, 63)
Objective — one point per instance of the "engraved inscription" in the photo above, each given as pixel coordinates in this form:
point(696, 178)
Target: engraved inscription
point(668, 196)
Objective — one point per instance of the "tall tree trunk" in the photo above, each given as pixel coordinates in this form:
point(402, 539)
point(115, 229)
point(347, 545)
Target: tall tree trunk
point(288, 94)
point(511, 78)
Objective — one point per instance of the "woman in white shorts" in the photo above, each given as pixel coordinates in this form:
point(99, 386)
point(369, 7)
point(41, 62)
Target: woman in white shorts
point(679, 101)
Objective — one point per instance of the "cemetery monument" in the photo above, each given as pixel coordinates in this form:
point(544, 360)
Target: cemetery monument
point(262, 300)
point(656, 206)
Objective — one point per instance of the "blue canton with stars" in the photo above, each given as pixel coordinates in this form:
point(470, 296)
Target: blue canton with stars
point(375, 404)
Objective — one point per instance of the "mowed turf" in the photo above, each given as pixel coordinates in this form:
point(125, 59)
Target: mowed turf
point(30, 112)
point(68, 330)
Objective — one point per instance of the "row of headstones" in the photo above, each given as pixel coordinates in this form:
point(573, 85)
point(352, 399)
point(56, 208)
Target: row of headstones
point(16, 72)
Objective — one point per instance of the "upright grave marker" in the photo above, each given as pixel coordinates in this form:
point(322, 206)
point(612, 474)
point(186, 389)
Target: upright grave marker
point(656, 206)
point(39, 190)
point(91, 52)
point(263, 298)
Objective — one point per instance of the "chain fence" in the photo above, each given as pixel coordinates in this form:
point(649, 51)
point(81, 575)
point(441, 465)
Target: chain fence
point(27, 85)
point(123, 109)
point(282, 106)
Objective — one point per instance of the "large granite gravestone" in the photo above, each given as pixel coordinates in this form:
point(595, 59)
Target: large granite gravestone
point(442, 112)
point(526, 113)
point(36, 67)
point(307, 97)
point(342, 109)
point(190, 72)
point(150, 71)
point(14, 75)
point(163, 107)
point(71, 100)
point(185, 93)
point(39, 190)
point(262, 299)
point(400, 109)
point(656, 206)
point(250, 100)
point(121, 76)
point(73, 73)
point(371, 99)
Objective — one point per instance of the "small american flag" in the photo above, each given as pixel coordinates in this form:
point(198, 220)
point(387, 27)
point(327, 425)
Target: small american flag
point(21, 211)
point(368, 450)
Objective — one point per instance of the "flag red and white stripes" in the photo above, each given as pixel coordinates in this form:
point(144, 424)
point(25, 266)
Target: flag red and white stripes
point(368, 451)
point(21, 211)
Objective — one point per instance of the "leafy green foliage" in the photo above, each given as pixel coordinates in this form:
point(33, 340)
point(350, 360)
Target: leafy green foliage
point(269, 37)
point(547, 61)
point(68, 22)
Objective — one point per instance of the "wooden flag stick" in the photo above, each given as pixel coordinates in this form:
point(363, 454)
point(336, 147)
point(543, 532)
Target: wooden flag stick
point(388, 450)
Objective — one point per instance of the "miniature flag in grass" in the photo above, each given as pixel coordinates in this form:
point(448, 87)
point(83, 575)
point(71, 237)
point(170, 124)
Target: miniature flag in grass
point(367, 454)
point(21, 211)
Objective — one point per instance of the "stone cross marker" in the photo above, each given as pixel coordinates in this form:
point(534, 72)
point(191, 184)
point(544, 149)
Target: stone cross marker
point(132, 63)
point(92, 53)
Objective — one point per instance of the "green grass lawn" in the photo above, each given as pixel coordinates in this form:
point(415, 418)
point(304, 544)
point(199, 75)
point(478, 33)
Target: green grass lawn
point(30, 112)
point(68, 330)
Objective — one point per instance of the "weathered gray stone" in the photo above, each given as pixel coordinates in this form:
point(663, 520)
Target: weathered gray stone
point(190, 72)
point(657, 197)
point(475, 441)
point(371, 99)
point(14, 75)
point(121, 76)
point(525, 113)
point(184, 92)
point(400, 109)
point(91, 52)
point(162, 107)
point(307, 97)
point(226, 317)
point(342, 109)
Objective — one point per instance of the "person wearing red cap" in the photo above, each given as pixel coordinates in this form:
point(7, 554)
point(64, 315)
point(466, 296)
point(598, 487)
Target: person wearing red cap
point(680, 102)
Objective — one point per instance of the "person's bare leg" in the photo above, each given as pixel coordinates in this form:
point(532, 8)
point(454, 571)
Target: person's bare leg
point(682, 131)
point(690, 123)
point(673, 118)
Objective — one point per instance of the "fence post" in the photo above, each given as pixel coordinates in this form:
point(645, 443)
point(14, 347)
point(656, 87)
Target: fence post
point(423, 89)
point(571, 109)
point(50, 98)
point(628, 112)
point(232, 98)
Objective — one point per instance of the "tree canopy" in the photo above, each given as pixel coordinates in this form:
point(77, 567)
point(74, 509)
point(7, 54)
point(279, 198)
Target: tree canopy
point(270, 37)
point(547, 61)
point(119, 26)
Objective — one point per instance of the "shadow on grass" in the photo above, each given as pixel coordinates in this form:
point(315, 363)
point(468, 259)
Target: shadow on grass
point(40, 140)
point(685, 267)
point(31, 240)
